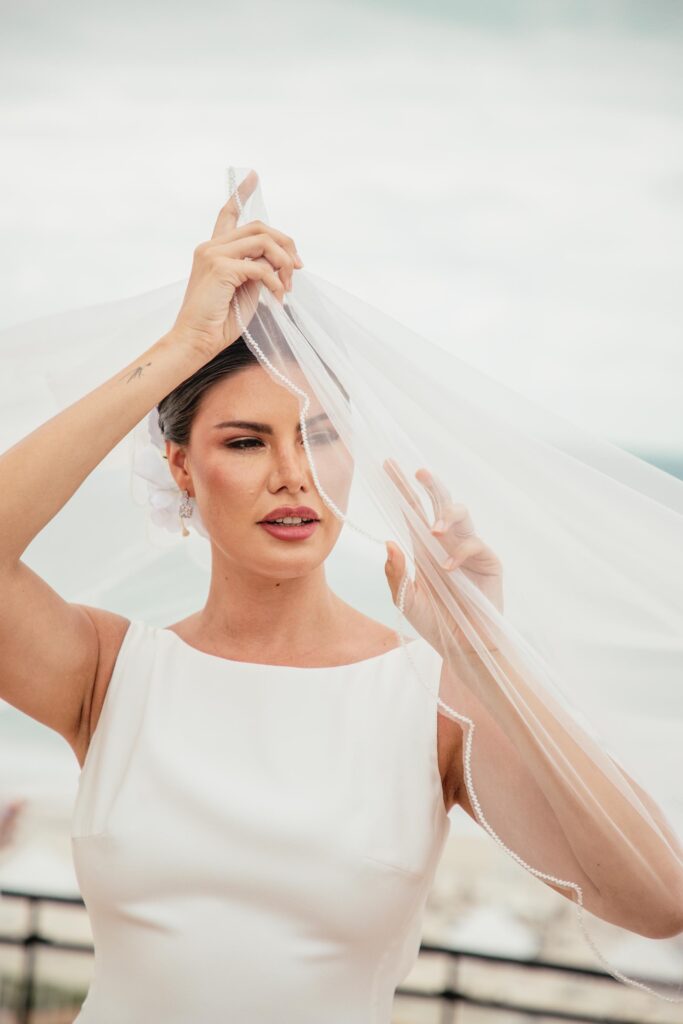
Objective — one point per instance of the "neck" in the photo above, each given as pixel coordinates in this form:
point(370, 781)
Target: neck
point(252, 612)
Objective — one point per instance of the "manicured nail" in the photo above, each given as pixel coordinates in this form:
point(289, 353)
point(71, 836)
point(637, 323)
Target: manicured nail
point(439, 526)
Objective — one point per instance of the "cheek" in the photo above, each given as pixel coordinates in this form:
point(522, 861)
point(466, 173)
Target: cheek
point(231, 481)
point(334, 528)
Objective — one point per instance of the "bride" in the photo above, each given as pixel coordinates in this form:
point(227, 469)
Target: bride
point(264, 792)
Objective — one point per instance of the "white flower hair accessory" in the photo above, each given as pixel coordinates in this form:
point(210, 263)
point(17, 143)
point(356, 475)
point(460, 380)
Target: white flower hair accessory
point(152, 483)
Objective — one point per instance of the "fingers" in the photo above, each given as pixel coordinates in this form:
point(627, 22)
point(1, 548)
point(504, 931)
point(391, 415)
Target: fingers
point(450, 516)
point(260, 269)
point(255, 246)
point(394, 570)
point(401, 481)
point(258, 227)
point(466, 550)
point(454, 525)
point(219, 262)
point(457, 534)
point(419, 548)
point(229, 213)
point(437, 492)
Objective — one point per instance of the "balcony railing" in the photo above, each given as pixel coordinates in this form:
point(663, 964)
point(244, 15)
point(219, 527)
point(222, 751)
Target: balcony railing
point(448, 999)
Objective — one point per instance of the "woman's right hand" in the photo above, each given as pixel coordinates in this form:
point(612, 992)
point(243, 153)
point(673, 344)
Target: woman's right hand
point(235, 261)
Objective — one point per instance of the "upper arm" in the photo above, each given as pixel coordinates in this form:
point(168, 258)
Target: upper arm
point(540, 816)
point(517, 787)
point(518, 810)
point(49, 652)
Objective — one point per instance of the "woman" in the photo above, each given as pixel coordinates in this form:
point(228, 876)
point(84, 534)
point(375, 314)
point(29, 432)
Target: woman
point(269, 610)
point(264, 796)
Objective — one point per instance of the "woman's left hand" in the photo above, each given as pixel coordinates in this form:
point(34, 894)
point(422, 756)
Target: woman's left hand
point(463, 550)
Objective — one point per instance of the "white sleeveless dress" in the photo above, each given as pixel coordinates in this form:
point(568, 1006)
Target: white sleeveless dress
point(255, 843)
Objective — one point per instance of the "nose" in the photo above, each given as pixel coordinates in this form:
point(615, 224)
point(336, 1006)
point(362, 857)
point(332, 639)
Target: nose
point(290, 469)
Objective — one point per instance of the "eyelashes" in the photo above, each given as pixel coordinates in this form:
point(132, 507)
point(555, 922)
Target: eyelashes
point(246, 443)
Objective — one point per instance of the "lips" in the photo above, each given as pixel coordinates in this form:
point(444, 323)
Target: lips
point(290, 510)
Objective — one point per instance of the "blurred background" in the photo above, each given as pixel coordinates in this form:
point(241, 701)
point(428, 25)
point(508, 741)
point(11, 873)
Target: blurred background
point(524, 155)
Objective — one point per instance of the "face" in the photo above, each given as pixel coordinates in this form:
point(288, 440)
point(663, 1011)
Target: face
point(239, 475)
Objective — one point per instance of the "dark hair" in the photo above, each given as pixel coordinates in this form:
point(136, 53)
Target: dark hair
point(177, 410)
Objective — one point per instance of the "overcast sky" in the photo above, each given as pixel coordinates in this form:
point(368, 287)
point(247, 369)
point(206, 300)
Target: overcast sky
point(505, 177)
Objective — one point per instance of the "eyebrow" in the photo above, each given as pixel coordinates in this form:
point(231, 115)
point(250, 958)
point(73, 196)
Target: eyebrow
point(264, 428)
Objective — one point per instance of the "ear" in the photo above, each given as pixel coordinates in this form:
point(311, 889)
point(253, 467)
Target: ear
point(176, 454)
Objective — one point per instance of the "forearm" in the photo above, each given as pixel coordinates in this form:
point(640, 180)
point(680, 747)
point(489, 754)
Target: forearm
point(42, 471)
point(623, 856)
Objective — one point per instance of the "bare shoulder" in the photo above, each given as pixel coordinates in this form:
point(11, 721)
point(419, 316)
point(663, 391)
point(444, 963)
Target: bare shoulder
point(365, 637)
point(111, 629)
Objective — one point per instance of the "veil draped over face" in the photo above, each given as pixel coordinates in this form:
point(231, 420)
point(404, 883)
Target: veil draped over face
point(560, 624)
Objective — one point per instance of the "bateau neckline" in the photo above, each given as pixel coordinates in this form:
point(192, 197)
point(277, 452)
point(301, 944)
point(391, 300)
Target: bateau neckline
point(286, 668)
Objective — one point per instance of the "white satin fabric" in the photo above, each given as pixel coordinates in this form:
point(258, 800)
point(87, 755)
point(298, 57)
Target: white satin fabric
point(256, 843)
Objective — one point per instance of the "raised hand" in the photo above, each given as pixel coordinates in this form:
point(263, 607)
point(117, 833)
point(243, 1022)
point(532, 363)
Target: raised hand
point(234, 262)
point(463, 549)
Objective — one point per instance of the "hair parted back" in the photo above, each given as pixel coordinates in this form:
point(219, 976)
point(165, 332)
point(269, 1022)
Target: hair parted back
point(176, 411)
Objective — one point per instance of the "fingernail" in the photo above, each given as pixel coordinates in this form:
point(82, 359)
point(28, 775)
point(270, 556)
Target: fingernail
point(439, 526)
point(299, 260)
point(451, 564)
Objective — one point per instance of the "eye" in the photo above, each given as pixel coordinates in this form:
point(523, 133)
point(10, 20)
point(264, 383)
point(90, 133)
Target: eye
point(244, 443)
point(240, 444)
point(324, 435)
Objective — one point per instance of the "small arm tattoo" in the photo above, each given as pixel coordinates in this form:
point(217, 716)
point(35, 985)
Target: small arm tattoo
point(137, 372)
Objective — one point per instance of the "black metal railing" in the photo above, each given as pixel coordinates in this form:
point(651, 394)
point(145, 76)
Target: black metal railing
point(449, 998)
point(25, 991)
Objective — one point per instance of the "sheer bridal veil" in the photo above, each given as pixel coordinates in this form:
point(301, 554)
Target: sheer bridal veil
point(559, 620)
